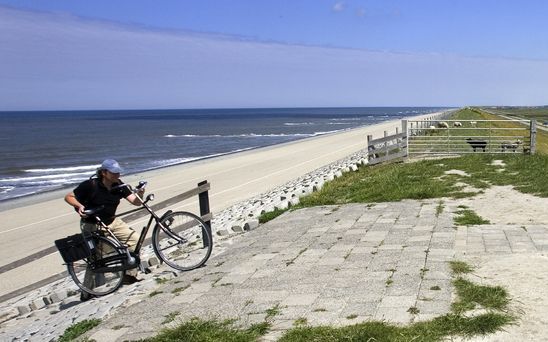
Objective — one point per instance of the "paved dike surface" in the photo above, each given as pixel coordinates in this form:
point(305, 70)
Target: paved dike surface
point(331, 265)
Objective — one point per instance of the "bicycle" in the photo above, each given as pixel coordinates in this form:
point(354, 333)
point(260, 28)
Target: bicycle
point(97, 260)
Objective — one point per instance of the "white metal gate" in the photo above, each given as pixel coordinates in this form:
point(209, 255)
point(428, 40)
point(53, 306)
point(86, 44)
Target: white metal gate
point(449, 137)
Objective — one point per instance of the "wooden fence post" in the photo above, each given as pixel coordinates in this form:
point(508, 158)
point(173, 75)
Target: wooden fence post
point(369, 147)
point(203, 199)
point(533, 136)
point(385, 144)
point(405, 137)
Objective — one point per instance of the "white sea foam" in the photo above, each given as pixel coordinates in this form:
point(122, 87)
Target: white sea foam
point(299, 123)
point(254, 135)
point(64, 169)
point(6, 189)
point(247, 135)
point(177, 161)
point(345, 119)
point(49, 178)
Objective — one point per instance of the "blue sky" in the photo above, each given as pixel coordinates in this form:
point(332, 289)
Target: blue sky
point(132, 54)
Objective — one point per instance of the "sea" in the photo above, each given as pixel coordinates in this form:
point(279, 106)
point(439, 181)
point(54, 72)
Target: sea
point(48, 150)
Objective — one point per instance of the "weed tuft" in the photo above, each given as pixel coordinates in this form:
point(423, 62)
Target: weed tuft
point(460, 267)
point(78, 329)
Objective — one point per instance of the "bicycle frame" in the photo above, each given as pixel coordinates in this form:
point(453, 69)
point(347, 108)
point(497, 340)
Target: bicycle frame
point(144, 231)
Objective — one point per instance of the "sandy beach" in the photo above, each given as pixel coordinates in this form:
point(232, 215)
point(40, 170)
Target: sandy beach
point(32, 224)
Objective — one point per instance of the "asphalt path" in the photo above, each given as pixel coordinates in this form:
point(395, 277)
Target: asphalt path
point(32, 224)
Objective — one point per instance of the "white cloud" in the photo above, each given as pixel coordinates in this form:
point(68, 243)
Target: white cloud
point(339, 6)
point(49, 61)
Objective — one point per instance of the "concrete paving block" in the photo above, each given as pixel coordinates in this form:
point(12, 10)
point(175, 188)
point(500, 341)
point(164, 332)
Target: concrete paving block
point(251, 224)
point(294, 201)
point(153, 261)
point(398, 301)
point(37, 304)
point(318, 185)
point(306, 190)
point(223, 232)
point(237, 227)
point(47, 300)
point(58, 296)
point(109, 335)
point(8, 313)
point(282, 205)
point(300, 299)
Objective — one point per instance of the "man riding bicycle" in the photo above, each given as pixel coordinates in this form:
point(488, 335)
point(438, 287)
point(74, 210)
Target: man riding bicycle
point(104, 190)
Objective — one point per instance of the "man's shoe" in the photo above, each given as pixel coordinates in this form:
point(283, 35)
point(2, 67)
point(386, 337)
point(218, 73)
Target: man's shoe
point(129, 279)
point(84, 296)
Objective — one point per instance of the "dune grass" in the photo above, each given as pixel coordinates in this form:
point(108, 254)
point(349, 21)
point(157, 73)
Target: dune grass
point(427, 179)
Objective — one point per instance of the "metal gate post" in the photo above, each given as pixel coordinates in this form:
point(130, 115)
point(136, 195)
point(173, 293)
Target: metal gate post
point(203, 199)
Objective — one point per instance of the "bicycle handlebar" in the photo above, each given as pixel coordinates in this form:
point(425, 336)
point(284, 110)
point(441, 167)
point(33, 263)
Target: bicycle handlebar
point(142, 185)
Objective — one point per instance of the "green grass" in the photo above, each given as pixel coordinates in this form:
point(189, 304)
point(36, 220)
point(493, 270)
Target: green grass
point(271, 215)
point(472, 295)
point(439, 208)
point(197, 330)
point(170, 317)
point(78, 329)
point(273, 311)
point(434, 330)
point(177, 290)
point(468, 217)
point(161, 280)
point(426, 179)
point(460, 267)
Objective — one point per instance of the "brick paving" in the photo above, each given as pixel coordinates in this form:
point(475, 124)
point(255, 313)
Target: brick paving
point(329, 265)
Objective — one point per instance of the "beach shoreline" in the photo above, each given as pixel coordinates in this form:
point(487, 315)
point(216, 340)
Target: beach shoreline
point(48, 195)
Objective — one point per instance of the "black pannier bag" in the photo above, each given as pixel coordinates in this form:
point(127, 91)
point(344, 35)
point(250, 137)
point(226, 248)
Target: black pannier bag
point(73, 248)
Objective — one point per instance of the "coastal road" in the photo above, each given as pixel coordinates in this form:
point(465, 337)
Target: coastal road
point(32, 224)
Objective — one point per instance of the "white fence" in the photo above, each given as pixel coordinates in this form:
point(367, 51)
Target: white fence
point(453, 137)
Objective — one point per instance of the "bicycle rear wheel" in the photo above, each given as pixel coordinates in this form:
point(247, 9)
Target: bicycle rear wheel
point(183, 242)
point(102, 273)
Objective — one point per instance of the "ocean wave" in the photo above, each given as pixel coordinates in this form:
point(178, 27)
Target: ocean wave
point(177, 161)
point(247, 135)
point(255, 135)
point(6, 189)
point(299, 123)
point(345, 119)
point(51, 182)
point(64, 169)
point(48, 178)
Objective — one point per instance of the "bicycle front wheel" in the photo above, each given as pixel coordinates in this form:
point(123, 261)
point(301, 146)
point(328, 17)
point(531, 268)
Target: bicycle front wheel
point(182, 240)
point(102, 273)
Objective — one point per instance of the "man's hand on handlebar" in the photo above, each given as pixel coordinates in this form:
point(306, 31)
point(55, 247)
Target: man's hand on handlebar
point(80, 210)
